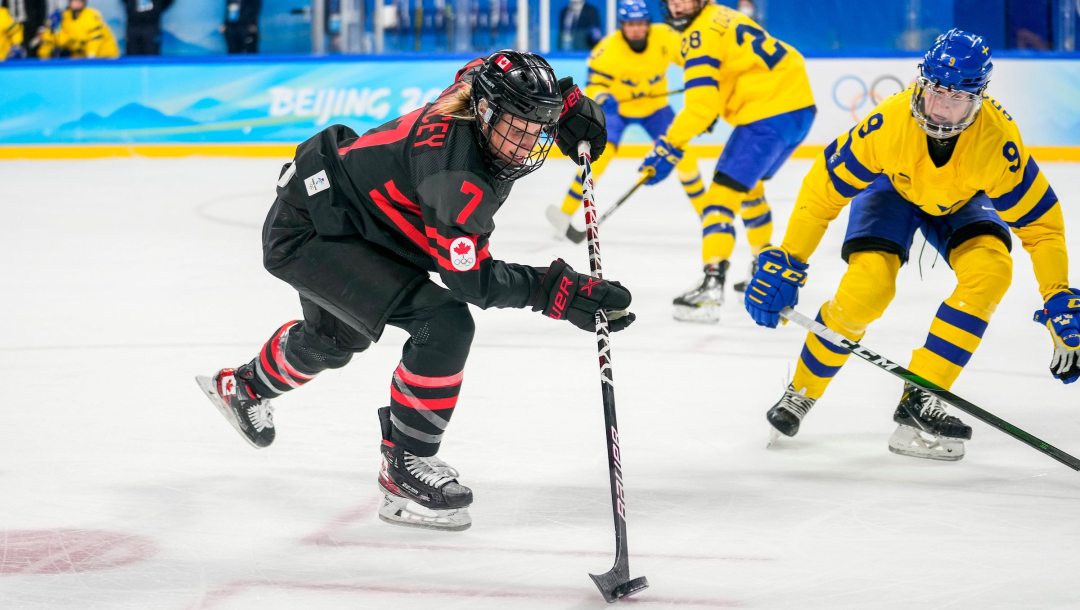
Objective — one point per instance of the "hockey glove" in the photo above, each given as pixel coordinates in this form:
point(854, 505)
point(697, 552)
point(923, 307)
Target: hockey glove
point(775, 286)
point(608, 104)
point(582, 120)
point(1062, 316)
point(661, 160)
point(566, 294)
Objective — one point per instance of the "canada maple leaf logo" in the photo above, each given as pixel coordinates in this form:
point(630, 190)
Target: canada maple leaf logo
point(462, 248)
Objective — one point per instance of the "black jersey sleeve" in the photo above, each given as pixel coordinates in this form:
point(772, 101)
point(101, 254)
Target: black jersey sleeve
point(457, 208)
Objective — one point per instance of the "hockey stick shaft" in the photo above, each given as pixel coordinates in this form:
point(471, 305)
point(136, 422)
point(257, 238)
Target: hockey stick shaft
point(608, 212)
point(651, 95)
point(614, 584)
point(885, 364)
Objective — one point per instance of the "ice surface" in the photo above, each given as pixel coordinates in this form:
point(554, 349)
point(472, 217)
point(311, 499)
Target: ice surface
point(121, 488)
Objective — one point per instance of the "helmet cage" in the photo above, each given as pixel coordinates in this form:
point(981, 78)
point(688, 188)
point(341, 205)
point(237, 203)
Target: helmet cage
point(943, 112)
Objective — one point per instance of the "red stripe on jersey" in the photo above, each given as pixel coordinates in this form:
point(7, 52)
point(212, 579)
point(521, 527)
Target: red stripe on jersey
point(400, 132)
point(431, 404)
point(275, 350)
point(407, 228)
point(483, 253)
point(402, 200)
point(427, 382)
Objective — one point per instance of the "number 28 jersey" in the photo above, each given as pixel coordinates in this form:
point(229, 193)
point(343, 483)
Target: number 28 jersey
point(734, 70)
point(989, 157)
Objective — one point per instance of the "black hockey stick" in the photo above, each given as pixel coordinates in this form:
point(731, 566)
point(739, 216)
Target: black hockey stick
point(885, 364)
point(579, 236)
point(615, 583)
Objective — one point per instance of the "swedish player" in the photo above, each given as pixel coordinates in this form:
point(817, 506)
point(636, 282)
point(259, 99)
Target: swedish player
point(733, 70)
point(628, 78)
point(945, 158)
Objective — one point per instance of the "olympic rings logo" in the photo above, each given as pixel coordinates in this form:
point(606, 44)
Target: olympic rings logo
point(855, 89)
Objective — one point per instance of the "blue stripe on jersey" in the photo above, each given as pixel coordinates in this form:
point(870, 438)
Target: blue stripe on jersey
point(760, 221)
point(717, 209)
point(836, 349)
point(946, 350)
point(599, 73)
point(853, 165)
point(691, 181)
point(697, 193)
point(574, 195)
point(815, 365)
point(720, 227)
point(1013, 197)
point(1049, 200)
point(703, 81)
point(845, 189)
point(962, 320)
point(702, 61)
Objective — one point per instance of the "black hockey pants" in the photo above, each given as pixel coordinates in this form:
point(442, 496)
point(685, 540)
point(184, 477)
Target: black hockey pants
point(349, 289)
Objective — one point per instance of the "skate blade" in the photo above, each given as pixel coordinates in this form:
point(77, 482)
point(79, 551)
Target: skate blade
point(207, 385)
point(403, 511)
point(910, 442)
point(774, 435)
point(704, 314)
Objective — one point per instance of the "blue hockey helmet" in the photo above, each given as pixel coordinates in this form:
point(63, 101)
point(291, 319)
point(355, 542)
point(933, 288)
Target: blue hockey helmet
point(952, 77)
point(633, 10)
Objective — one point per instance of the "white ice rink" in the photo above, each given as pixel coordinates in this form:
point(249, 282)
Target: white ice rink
point(121, 488)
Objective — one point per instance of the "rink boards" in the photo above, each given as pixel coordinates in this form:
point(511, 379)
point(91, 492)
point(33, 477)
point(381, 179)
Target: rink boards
point(264, 106)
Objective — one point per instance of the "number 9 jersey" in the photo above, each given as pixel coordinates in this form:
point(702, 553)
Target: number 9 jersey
point(736, 71)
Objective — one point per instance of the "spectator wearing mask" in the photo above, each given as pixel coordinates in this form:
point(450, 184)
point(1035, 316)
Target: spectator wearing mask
point(80, 33)
point(241, 27)
point(144, 25)
point(579, 27)
point(11, 37)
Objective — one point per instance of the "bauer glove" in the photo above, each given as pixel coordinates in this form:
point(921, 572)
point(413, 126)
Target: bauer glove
point(1061, 315)
point(775, 286)
point(582, 120)
point(568, 295)
point(661, 160)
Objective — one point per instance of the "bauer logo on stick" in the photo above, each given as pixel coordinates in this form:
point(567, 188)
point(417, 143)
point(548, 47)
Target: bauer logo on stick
point(463, 253)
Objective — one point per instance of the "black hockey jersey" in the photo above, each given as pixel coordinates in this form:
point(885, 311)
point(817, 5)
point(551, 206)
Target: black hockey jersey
point(419, 187)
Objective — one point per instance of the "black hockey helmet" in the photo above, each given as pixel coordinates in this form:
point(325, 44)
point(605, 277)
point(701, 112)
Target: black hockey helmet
point(517, 103)
point(681, 22)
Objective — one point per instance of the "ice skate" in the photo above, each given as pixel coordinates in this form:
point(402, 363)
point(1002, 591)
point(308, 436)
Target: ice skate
point(926, 430)
point(252, 416)
point(702, 304)
point(786, 415)
point(563, 228)
point(420, 491)
point(741, 286)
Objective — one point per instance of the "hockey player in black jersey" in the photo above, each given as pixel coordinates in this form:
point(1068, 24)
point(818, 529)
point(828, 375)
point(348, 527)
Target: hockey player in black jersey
point(358, 224)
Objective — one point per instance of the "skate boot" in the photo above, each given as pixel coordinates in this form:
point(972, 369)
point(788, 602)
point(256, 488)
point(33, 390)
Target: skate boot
point(741, 286)
point(420, 491)
point(702, 304)
point(563, 228)
point(926, 430)
point(786, 415)
point(253, 417)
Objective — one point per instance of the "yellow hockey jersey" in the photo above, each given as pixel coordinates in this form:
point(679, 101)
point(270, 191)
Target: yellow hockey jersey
point(636, 80)
point(11, 33)
point(735, 70)
point(84, 36)
point(989, 157)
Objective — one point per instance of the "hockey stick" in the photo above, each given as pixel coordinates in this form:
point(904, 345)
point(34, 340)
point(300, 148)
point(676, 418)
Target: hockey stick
point(885, 364)
point(651, 95)
point(615, 583)
point(579, 236)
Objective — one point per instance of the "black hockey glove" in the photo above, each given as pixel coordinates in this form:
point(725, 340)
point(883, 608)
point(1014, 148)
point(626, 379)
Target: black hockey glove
point(582, 119)
point(566, 294)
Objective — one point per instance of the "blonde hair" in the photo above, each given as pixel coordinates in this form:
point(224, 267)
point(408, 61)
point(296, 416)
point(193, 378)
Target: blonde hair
point(458, 105)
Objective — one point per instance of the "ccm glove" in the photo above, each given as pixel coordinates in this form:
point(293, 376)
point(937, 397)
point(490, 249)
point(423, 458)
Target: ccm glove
point(1061, 315)
point(582, 120)
point(566, 294)
point(775, 286)
point(661, 160)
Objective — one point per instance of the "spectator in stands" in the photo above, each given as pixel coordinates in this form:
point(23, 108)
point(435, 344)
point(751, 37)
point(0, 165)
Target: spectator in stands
point(241, 27)
point(80, 33)
point(746, 7)
point(11, 37)
point(579, 27)
point(144, 25)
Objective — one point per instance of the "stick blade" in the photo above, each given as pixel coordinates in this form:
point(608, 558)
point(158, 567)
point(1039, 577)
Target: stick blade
point(574, 235)
point(614, 586)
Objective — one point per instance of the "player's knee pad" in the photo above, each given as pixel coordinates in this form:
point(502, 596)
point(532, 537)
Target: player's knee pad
point(315, 352)
point(865, 291)
point(983, 269)
point(440, 338)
